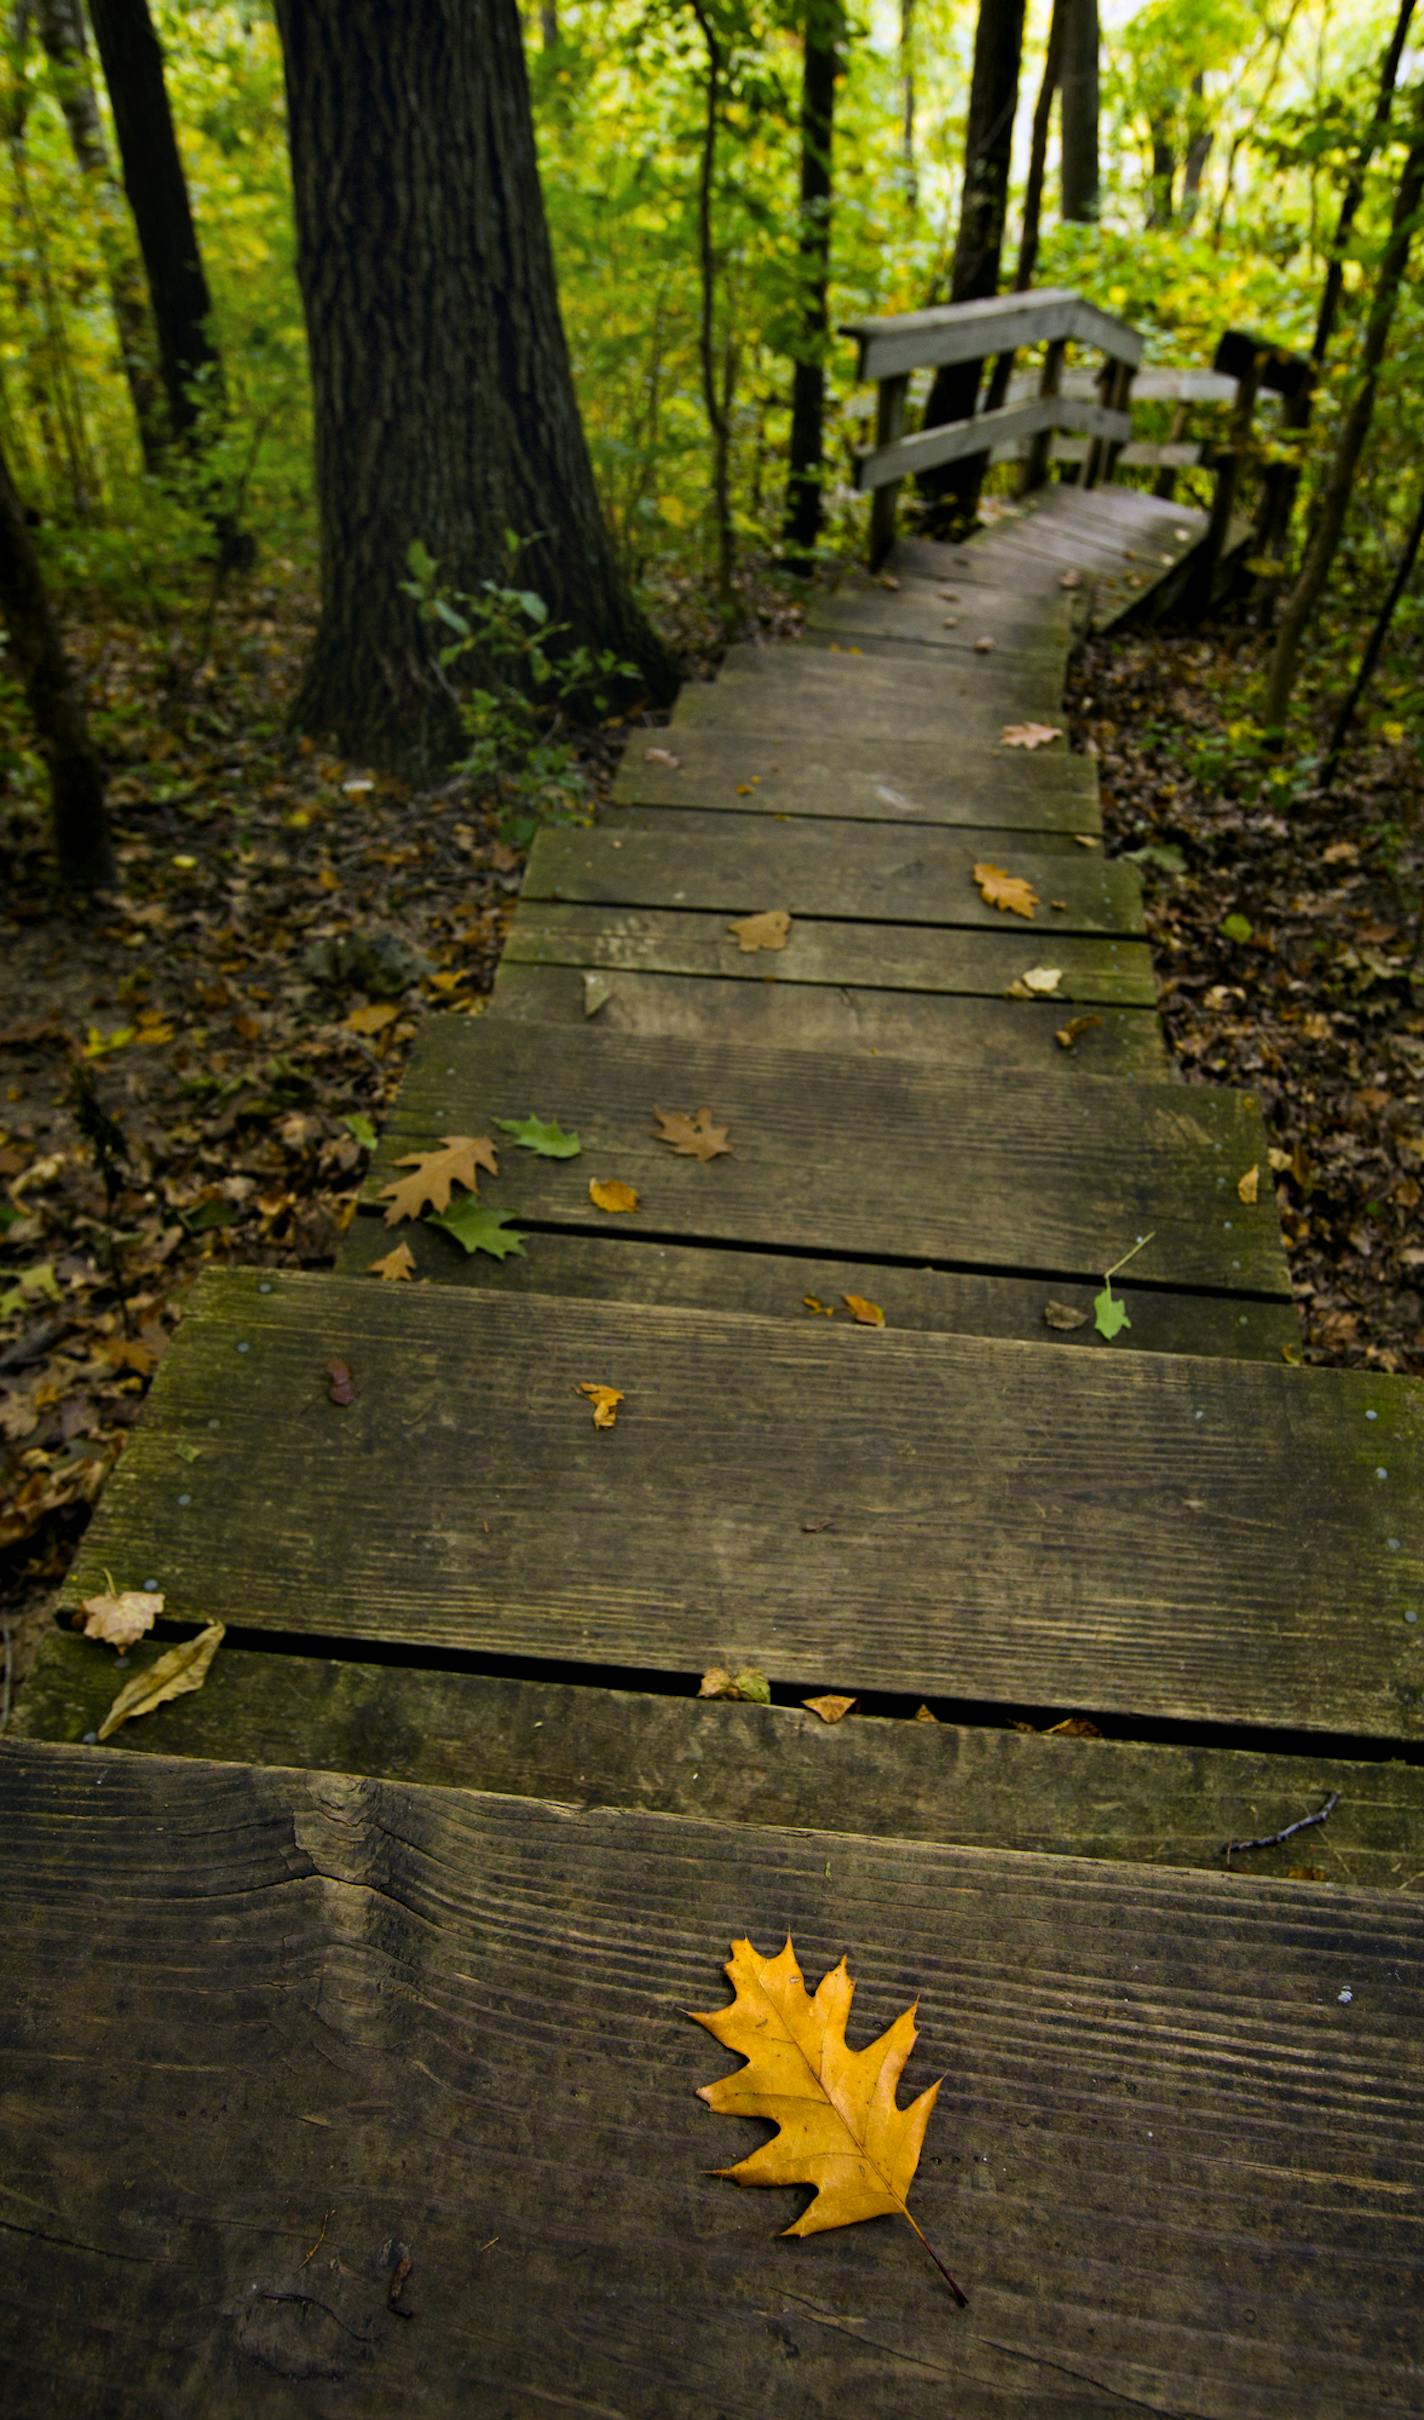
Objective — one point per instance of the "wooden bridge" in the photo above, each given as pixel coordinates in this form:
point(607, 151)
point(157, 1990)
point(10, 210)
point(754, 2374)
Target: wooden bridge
point(345, 2058)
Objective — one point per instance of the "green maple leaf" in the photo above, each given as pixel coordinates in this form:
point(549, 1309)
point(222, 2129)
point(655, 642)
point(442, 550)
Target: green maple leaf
point(478, 1229)
point(1109, 1315)
point(550, 1141)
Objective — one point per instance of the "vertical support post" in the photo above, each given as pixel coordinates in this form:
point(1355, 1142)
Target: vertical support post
point(1120, 400)
point(1093, 467)
point(1040, 448)
point(1165, 483)
point(1229, 460)
point(889, 429)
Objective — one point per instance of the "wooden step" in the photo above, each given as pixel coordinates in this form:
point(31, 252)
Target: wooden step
point(818, 868)
point(897, 780)
point(846, 1509)
point(953, 1028)
point(808, 690)
point(856, 1157)
point(327, 2095)
point(942, 617)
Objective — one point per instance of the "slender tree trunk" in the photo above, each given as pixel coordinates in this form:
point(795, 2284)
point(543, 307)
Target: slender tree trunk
point(1038, 148)
point(1335, 499)
point(908, 103)
point(444, 402)
point(61, 24)
point(824, 32)
point(1198, 153)
point(1080, 110)
point(1374, 647)
point(718, 418)
point(548, 23)
point(953, 490)
point(81, 826)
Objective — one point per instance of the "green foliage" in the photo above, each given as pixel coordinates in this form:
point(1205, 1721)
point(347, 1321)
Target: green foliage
point(478, 1229)
point(548, 1139)
point(1109, 1312)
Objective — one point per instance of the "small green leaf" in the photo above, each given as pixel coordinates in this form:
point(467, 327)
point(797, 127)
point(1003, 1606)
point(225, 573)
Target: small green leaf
point(549, 1140)
point(752, 1686)
point(360, 1125)
point(1163, 853)
point(420, 559)
point(187, 1452)
point(1109, 1314)
point(1235, 928)
point(477, 1229)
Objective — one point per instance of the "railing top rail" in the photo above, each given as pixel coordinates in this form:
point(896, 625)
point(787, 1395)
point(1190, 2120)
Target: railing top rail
point(922, 340)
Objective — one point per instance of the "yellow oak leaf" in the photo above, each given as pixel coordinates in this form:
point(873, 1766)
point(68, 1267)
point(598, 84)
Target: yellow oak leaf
point(120, 1617)
point(1248, 1187)
point(605, 1401)
point(830, 1709)
point(865, 1314)
point(395, 1265)
point(1012, 894)
point(694, 1138)
point(456, 1163)
point(1030, 735)
point(839, 2128)
point(768, 931)
point(611, 1194)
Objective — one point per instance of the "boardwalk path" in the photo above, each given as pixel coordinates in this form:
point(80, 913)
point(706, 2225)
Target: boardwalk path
point(278, 2031)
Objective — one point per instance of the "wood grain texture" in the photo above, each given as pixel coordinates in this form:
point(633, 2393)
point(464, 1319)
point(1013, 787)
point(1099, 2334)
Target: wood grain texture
point(1009, 1523)
point(857, 1157)
point(914, 614)
point(763, 1765)
point(899, 780)
point(815, 868)
point(837, 832)
point(271, 2032)
point(887, 957)
point(954, 1028)
point(809, 691)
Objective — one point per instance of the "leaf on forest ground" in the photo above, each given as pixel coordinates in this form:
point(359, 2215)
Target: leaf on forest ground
point(748, 1686)
point(1109, 1312)
point(477, 1229)
point(1036, 982)
point(434, 1173)
point(1068, 1034)
point(1030, 735)
point(605, 1401)
point(1012, 894)
point(341, 1386)
point(372, 1018)
point(839, 2128)
point(183, 1669)
point(546, 1136)
point(395, 1265)
point(830, 1709)
point(865, 1314)
point(120, 1617)
point(1248, 1187)
point(693, 1138)
point(1235, 927)
point(611, 1194)
point(1062, 1315)
point(769, 930)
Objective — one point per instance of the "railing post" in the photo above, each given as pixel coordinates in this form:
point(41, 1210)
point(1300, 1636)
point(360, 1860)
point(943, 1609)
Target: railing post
point(889, 429)
point(1114, 388)
point(1040, 448)
point(1165, 483)
point(1121, 401)
point(1229, 459)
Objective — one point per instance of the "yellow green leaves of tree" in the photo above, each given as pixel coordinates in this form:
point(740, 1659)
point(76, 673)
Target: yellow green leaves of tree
point(605, 1401)
point(770, 930)
point(120, 1617)
point(696, 1138)
point(1012, 894)
point(434, 1173)
point(182, 1669)
point(611, 1194)
point(839, 2128)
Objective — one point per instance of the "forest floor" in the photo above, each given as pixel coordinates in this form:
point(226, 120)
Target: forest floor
point(238, 1018)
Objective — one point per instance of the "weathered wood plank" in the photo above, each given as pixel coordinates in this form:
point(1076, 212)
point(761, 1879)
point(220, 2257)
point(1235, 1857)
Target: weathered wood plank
point(926, 449)
point(763, 1765)
point(998, 1524)
point(950, 1027)
point(915, 614)
point(918, 340)
point(818, 869)
point(273, 2034)
point(808, 690)
point(879, 1157)
point(887, 957)
point(892, 781)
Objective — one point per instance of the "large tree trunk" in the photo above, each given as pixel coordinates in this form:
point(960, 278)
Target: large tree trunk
point(444, 402)
point(1080, 110)
point(824, 30)
point(81, 826)
point(1340, 479)
point(953, 490)
point(61, 24)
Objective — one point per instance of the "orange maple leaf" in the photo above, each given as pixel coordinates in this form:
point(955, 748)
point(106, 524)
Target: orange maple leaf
point(456, 1163)
point(694, 1138)
point(1013, 894)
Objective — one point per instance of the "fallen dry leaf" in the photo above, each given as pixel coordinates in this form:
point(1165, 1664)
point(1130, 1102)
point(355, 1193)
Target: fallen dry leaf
point(839, 2128)
point(1248, 1187)
point(457, 1162)
point(182, 1669)
point(985, 646)
point(769, 930)
point(1068, 1034)
point(1062, 1315)
point(750, 1687)
point(394, 1265)
point(1029, 735)
point(813, 1302)
point(605, 1401)
point(865, 1314)
point(373, 1018)
point(611, 1194)
point(120, 1618)
point(1071, 579)
point(341, 1387)
point(1041, 979)
point(1073, 1726)
point(1087, 840)
point(662, 756)
point(830, 1709)
point(692, 1138)
point(1012, 894)
point(922, 1714)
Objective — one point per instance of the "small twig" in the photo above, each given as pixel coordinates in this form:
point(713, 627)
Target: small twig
point(956, 2290)
point(330, 2214)
point(1272, 1840)
point(1140, 1246)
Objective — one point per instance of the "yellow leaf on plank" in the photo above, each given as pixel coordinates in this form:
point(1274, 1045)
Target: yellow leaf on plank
point(830, 1709)
point(1030, 735)
point(1087, 840)
point(395, 1265)
point(611, 1194)
point(456, 1163)
point(839, 2128)
point(865, 1314)
point(605, 1401)
point(175, 1674)
point(748, 1686)
point(1068, 1034)
point(692, 1138)
point(767, 931)
point(813, 1302)
point(1012, 894)
point(1041, 979)
point(120, 1617)
point(373, 1018)
point(1248, 1187)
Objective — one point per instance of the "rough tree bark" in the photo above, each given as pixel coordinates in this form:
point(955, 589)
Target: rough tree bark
point(952, 492)
point(1080, 109)
point(80, 823)
point(444, 402)
point(1198, 153)
point(998, 386)
point(1355, 428)
point(716, 387)
point(824, 30)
